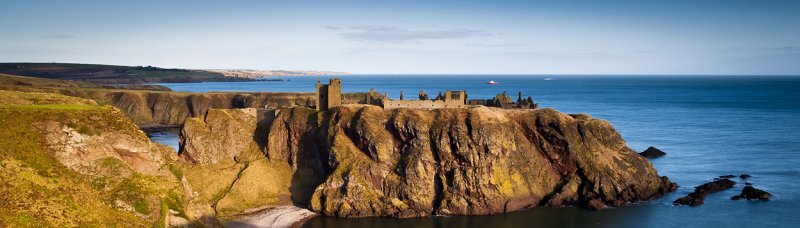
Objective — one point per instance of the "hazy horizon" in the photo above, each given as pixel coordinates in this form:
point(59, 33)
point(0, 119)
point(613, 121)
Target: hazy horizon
point(413, 37)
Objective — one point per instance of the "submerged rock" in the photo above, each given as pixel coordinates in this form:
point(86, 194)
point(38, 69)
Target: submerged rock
point(751, 193)
point(745, 176)
point(652, 152)
point(416, 162)
point(727, 176)
point(697, 197)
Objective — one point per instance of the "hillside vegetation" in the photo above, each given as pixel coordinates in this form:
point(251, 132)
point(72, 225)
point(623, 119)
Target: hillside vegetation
point(66, 162)
point(112, 74)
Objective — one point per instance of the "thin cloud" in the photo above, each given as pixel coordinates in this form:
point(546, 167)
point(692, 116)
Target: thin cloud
point(391, 34)
point(486, 45)
point(57, 36)
point(761, 50)
point(787, 49)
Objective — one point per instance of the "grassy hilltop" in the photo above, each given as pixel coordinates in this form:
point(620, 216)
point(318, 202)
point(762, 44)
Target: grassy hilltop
point(112, 74)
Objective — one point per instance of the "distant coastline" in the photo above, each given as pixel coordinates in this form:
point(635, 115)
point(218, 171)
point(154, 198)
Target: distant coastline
point(261, 74)
point(116, 74)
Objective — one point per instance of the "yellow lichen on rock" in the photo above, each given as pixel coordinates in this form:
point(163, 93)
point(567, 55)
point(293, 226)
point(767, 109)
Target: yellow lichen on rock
point(415, 162)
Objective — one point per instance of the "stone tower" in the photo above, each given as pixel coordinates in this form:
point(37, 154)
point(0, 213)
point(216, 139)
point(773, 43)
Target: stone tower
point(329, 95)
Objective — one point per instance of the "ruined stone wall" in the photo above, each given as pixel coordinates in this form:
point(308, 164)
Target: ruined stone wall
point(431, 104)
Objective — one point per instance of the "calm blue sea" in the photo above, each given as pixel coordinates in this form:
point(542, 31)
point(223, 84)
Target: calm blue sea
point(708, 125)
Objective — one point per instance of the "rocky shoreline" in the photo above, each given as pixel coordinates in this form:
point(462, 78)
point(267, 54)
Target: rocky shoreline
point(723, 183)
point(351, 161)
point(282, 216)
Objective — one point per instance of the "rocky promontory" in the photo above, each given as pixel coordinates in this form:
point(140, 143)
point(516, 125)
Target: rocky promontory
point(249, 166)
point(415, 162)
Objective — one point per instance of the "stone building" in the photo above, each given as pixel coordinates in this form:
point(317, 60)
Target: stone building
point(329, 95)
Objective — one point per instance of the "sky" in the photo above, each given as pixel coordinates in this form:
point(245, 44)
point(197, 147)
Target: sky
point(726, 37)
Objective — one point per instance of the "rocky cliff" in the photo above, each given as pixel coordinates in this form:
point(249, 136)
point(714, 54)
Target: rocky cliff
point(68, 161)
point(360, 161)
point(222, 134)
point(171, 108)
point(158, 108)
point(150, 108)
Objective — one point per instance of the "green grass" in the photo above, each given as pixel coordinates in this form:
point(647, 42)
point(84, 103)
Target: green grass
point(176, 171)
point(83, 129)
point(141, 206)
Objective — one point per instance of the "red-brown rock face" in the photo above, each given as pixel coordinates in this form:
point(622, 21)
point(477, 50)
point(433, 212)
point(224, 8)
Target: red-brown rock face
point(412, 162)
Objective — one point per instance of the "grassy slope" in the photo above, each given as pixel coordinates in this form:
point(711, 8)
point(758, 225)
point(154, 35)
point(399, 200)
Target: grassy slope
point(36, 190)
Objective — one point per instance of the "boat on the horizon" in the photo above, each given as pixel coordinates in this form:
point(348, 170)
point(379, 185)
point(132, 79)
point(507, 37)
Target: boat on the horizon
point(492, 82)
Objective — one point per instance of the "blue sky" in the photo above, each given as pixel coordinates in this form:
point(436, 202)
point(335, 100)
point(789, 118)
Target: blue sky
point(397, 37)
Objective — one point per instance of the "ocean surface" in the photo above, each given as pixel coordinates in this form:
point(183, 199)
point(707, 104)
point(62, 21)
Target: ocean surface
point(708, 126)
point(167, 137)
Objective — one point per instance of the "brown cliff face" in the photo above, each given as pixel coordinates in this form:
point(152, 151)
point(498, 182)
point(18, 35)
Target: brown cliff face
point(150, 108)
point(157, 108)
point(221, 134)
point(411, 162)
point(173, 108)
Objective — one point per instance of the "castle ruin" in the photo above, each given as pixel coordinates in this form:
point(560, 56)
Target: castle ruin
point(329, 95)
point(450, 99)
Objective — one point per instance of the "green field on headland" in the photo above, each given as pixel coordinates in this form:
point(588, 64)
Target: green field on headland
point(112, 74)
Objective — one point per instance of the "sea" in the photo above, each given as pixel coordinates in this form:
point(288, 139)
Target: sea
point(708, 125)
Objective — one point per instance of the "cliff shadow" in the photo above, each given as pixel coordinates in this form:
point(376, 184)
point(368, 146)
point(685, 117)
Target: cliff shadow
point(264, 120)
point(310, 160)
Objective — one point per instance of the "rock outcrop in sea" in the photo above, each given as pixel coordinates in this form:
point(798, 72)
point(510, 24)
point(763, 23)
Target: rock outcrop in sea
point(698, 197)
point(652, 152)
point(752, 193)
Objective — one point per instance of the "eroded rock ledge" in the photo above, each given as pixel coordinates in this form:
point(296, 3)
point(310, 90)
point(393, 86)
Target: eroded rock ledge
point(407, 163)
